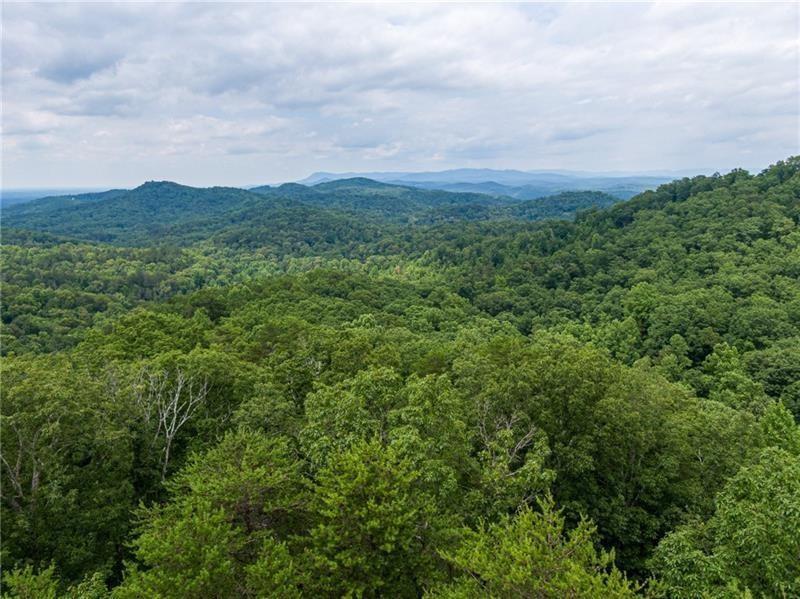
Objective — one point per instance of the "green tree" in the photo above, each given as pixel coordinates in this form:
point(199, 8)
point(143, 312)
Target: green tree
point(376, 528)
point(750, 543)
point(223, 534)
point(67, 467)
point(533, 554)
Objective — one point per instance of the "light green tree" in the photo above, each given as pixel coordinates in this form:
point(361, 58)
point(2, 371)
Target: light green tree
point(533, 554)
point(750, 544)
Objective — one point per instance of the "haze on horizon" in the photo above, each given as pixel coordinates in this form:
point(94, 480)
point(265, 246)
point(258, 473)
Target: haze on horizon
point(109, 95)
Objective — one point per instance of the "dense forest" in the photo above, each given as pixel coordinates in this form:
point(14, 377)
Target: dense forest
point(362, 389)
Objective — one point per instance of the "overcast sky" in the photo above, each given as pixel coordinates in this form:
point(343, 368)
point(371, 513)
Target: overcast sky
point(233, 94)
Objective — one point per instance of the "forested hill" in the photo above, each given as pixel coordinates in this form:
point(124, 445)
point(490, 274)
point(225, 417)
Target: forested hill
point(165, 212)
point(362, 389)
point(142, 215)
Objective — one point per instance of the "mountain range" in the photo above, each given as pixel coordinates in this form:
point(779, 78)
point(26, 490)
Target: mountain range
point(355, 209)
point(513, 183)
point(520, 185)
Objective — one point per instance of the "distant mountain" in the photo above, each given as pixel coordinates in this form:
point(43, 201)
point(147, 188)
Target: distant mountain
point(516, 184)
point(289, 218)
point(9, 197)
point(396, 203)
point(503, 176)
point(461, 175)
point(148, 212)
point(44, 204)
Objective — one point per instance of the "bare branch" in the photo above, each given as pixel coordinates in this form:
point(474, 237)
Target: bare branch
point(170, 400)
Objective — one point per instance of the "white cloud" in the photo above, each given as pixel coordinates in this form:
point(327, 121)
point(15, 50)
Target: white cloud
point(101, 94)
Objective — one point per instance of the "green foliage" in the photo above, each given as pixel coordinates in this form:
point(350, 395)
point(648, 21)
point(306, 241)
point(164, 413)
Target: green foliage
point(698, 262)
point(26, 583)
point(67, 466)
point(376, 526)
point(750, 543)
point(532, 554)
point(361, 389)
point(223, 535)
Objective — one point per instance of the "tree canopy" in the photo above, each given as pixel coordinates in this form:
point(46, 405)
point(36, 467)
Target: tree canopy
point(360, 389)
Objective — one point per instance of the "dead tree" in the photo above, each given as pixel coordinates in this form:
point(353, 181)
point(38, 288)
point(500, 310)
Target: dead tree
point(167, 401)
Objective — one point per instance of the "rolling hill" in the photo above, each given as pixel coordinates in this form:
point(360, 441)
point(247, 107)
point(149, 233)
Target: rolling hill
point(524, 185)
point(166, 212)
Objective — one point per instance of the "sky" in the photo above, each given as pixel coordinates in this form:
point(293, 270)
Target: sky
point(111, 95)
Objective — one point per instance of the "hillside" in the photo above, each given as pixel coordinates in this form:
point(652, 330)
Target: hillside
point(165, 212)
point(389, 391)
point(10, 197)
point(396, 203)
point(140, 215)
point(673, 275)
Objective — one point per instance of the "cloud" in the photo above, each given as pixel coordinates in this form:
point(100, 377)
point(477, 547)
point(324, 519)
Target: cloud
point(232, 93)
point(575, 133)
point(74, 65)
point(93, 103)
